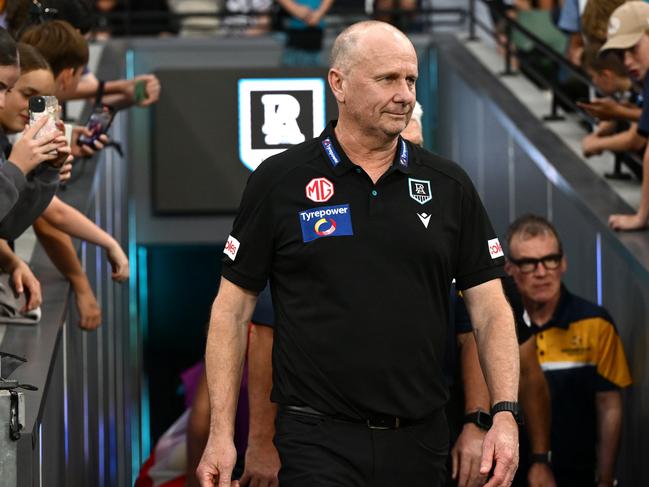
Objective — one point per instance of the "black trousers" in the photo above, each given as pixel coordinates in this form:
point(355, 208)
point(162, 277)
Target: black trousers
point(325, 452)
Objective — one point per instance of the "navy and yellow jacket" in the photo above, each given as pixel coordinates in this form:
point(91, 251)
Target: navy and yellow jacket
point(581, 354)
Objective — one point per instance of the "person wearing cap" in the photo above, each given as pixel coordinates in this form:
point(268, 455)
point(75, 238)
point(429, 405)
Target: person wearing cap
point(361, 234)
point(628, 33)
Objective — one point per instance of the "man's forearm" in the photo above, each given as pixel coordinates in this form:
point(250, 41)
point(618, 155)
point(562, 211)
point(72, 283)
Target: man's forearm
point(8, 259)
point(535, 399)
point(493, 323)
point(59, 248)
point(476, 393)
point(73, 222)
point(224, 357)
point(260, 383)
point(609, 426)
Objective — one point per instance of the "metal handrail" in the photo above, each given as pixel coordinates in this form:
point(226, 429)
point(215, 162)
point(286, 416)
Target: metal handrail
point(628, 158)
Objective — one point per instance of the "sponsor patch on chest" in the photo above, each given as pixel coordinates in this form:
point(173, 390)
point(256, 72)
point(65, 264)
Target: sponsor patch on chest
point(326, 221)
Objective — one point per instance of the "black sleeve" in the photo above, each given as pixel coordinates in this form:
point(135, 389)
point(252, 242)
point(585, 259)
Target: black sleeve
point(264, 313)
point(12, 181)
point(33, 199)
point(480, 257)
point(523, 332)
point(249, 248)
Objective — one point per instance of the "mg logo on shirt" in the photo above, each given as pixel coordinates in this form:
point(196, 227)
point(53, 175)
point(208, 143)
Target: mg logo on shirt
point(319, 190)
point(275, 114)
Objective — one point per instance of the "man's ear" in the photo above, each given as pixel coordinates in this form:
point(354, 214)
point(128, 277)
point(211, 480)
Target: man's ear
point(336, 81)
point(65, 77)
point(509, 268)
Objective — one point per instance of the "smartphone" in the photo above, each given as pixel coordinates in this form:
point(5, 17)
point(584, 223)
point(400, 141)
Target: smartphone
point(98, 124)
point(44, 106)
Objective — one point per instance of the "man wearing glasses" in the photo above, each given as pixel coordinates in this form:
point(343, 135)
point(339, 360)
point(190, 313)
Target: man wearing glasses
point(581, 355)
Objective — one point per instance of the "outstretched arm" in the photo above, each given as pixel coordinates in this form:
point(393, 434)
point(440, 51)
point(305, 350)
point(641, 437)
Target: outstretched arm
point(493, 324)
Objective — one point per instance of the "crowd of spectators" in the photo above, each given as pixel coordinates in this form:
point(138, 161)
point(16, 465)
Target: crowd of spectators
point(44, 52)
point(617, 72)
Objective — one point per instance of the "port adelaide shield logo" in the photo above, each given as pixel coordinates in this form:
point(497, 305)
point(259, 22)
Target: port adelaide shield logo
point(420, 190)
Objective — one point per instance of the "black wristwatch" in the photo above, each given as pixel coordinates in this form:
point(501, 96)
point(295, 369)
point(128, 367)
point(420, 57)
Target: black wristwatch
point(481, 419)
point(541, 458)
point(508, 406)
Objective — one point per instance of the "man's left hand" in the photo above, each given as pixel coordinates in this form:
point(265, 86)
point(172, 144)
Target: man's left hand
point(540, 475)
point(261, 466)
point(500, 446)
point(465, 457)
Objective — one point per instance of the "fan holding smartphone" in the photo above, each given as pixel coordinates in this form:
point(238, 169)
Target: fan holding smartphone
point(98, 124)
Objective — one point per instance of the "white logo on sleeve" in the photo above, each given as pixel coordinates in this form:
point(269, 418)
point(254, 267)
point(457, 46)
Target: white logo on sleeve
point(495, 249)
point(231, 247)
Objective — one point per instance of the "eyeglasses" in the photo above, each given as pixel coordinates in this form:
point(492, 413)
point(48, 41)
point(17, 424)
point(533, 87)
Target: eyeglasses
point(529, 264)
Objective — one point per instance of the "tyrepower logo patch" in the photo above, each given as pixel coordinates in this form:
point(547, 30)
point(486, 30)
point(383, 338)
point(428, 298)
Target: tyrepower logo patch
point(326, 221)
point(231, 247)
point(495, 249)
point(319, 190)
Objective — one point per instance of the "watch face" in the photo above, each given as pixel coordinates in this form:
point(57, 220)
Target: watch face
point(484, 420)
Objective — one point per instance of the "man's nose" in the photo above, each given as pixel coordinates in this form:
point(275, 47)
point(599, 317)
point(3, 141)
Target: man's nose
point(540, 270)
point(405, 93)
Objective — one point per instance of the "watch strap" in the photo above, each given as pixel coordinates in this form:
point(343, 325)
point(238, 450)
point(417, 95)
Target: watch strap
point(541, 457)
point(507, 406)
point(481, 419)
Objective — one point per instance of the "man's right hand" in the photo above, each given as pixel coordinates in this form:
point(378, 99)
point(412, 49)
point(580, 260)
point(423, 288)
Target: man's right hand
point(217, 463)
point(500, 447)
point(262, 465)
point(465, 457)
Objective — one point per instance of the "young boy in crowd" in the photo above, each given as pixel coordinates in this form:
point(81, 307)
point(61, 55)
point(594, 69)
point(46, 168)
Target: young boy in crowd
point(609, 76)
point(627, 33)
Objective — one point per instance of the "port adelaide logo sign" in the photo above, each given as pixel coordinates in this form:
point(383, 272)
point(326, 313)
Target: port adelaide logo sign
point(275, 114)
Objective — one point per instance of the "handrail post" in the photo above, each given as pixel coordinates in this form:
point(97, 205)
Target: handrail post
point(472, 36)
point(554, 110)
point(508, 47)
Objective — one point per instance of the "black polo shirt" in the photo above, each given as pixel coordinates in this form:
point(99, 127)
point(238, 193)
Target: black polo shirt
point(360, 273)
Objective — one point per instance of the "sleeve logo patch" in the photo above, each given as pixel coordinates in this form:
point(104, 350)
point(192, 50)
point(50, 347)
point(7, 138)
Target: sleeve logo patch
point(319, 190)
point(495, 249)
point(326, 221)
point(231, 247)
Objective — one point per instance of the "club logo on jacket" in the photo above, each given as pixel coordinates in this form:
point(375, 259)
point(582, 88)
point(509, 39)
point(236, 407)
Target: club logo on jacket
point(420, 190)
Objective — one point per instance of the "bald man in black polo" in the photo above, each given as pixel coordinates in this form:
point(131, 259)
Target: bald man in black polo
point(361, 234)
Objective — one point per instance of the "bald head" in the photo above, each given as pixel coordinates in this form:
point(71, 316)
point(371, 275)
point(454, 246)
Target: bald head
point(352, 45)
